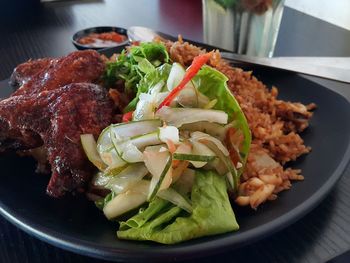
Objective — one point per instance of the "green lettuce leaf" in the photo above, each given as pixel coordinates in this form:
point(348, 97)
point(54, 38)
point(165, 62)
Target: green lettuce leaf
point(132, 67)
point(149, 80)
point(123, 69)
point(144, 215)
point(213, 84)
point(155, 53)
point(212, 214)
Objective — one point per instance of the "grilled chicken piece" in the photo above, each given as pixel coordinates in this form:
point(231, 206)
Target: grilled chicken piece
point(55, 119)
point(79, 66)
point(25, 71)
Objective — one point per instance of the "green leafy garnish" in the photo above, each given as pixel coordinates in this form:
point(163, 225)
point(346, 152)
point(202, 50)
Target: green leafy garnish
point(212, 214)
point(148, 81)
point(131, 67)
point(155, 53)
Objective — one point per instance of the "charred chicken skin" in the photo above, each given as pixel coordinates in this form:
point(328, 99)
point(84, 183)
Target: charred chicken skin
point(51, 109)
point(25, 71)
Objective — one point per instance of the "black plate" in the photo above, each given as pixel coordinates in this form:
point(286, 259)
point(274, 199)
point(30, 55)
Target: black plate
point(75, 224)
point(100, 29)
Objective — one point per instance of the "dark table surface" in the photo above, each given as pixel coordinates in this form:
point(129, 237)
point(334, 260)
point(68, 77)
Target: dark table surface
point(31, 30)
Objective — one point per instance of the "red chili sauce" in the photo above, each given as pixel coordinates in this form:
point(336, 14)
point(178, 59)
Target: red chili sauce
point(107, 39)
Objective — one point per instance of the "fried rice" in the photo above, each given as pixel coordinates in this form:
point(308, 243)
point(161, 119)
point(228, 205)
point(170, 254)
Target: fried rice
point(275, 126)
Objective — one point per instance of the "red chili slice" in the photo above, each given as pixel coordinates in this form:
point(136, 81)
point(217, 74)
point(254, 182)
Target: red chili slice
point(127, 116)
point(196, 65)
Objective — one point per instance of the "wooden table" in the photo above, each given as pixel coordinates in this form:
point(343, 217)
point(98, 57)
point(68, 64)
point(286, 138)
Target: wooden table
point(32, 30)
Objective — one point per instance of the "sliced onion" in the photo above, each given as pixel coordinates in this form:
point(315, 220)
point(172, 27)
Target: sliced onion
point(185, 182)
point(203, 137)
point(177, 73)
point(169, 133)
point(200, 149)
point(262, 161)
point(188, 96)
point(127, 178)
point(127, 201)
point(184, 147)
point(210, 128)
point(231, 173)
point(89, 146)
point(112, 159)
point(145, 108)
point(158, 164)
point(179, 170)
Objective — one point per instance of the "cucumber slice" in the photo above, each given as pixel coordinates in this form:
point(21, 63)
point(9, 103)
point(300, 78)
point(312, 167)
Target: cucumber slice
point(131, 153)
point(193, 157)
point(199, 136)
point(158, 164)
point(116, 141)
point(177, 73)
point(174, 197)
point(184, 147)
point(127, 151)
point(145, 140)
point(180, 116)
point(125, 130)
point(231, 173)
point(104, 142)
point(135, 128)
point(127, 201)
point(89, 145)
point(161, 136)
point(210, 128)
point(127, 178)
point(200, 149)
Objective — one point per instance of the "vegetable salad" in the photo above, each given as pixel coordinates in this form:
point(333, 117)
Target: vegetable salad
point(182, 146)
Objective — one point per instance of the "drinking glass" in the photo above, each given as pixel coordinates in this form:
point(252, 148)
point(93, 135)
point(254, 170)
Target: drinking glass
point(247, 27)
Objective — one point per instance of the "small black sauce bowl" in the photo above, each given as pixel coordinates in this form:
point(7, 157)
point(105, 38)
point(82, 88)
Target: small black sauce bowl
point(101, 29)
